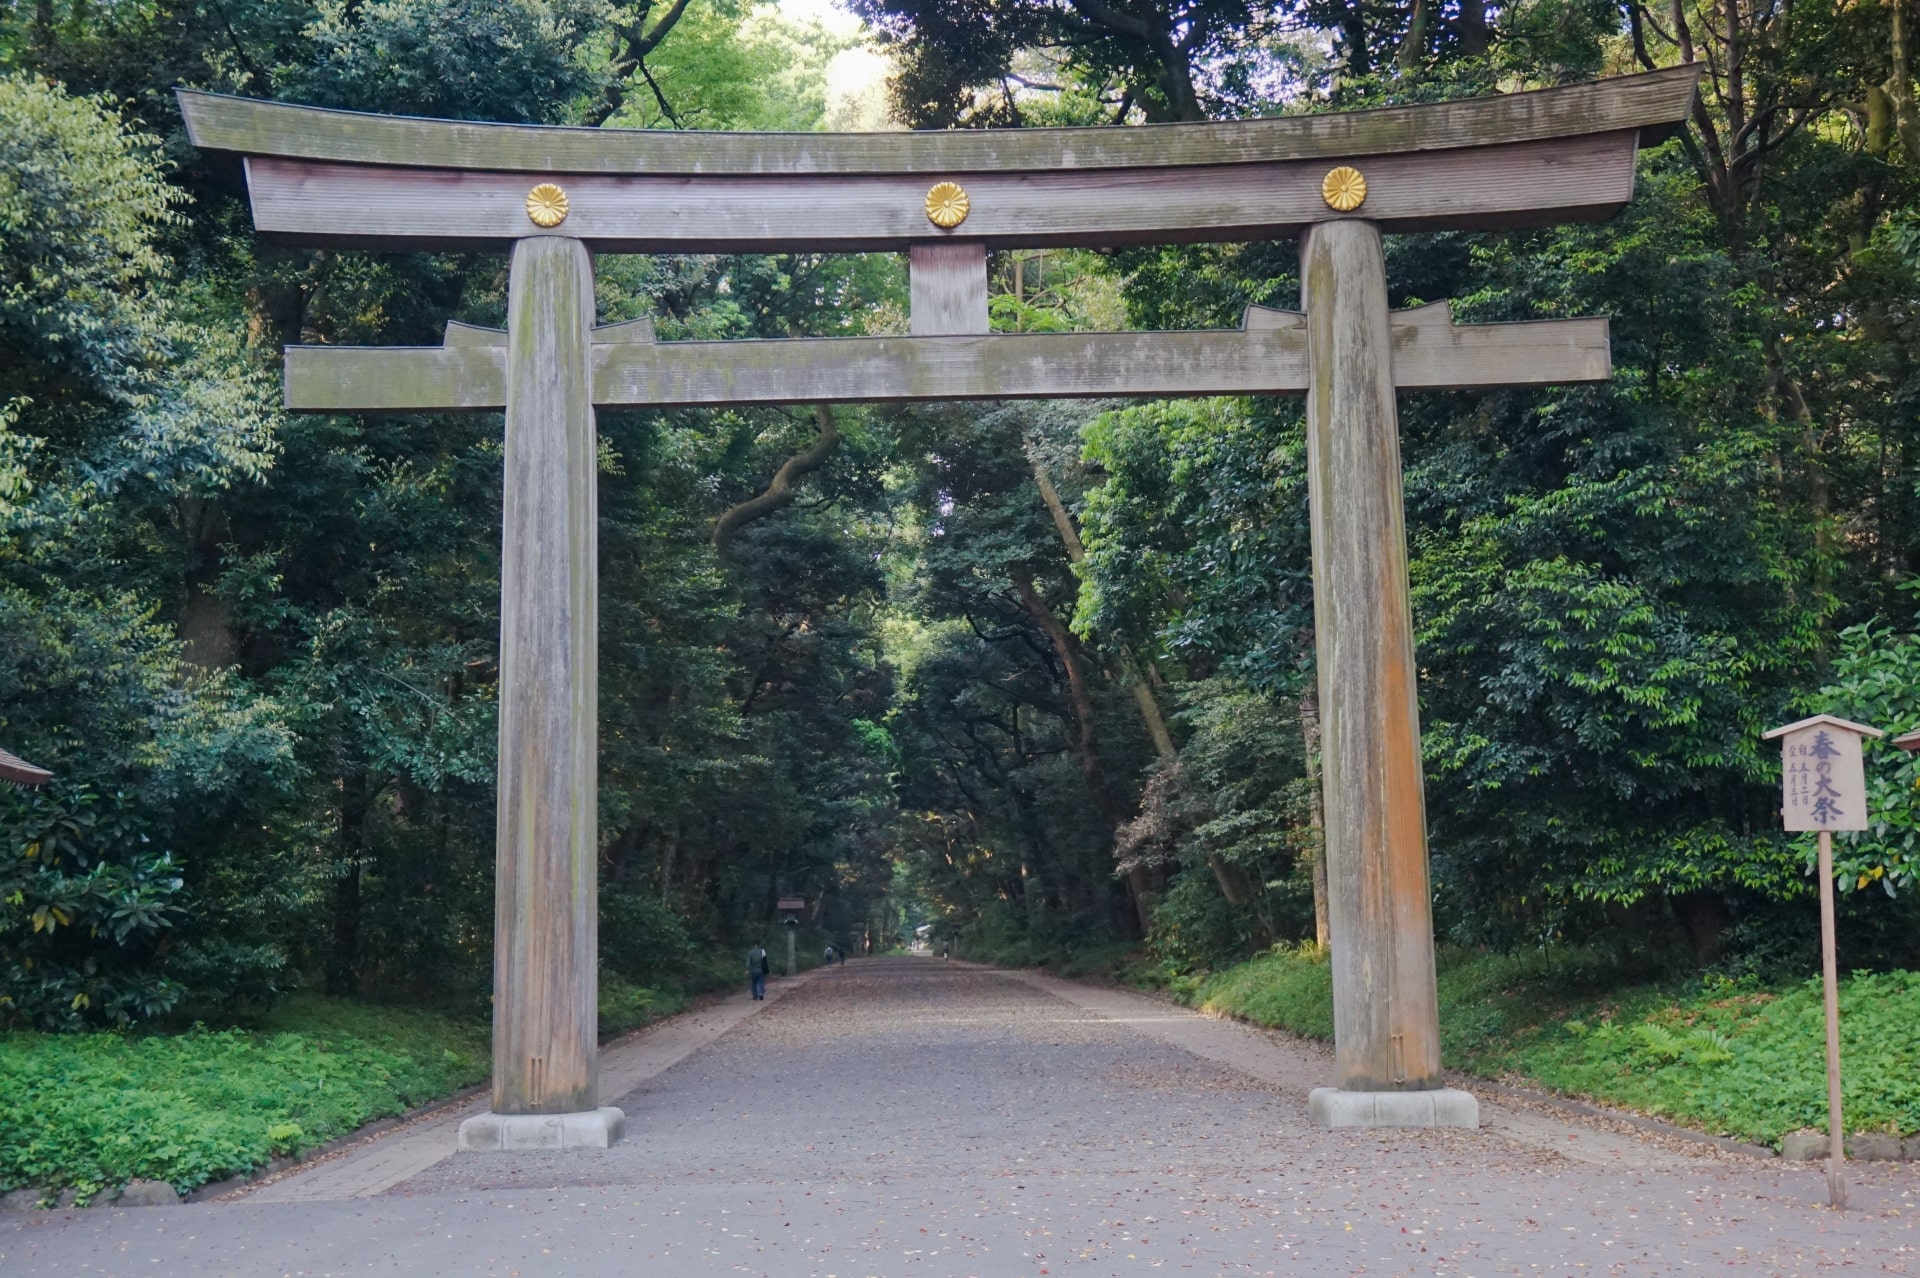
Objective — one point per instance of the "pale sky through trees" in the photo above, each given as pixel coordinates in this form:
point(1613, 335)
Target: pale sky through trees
point(856, 88)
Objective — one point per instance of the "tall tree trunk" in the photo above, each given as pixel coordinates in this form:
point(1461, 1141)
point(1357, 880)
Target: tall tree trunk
point(666, 862)
point(1233, 881)
point(1705, 918)
point(1899, 88)
point(1085, 743)
point(1413, 49)
point(1085, 740)
point(1474, 34)
point(1033, 853)
point(1355, 58)
point(208, 635)
point(343, 955)
point(1076, 553)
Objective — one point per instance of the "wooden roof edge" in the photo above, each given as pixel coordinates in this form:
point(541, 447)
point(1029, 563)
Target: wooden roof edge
point(17, 770)
point(1832, 721)
point(1653, 102)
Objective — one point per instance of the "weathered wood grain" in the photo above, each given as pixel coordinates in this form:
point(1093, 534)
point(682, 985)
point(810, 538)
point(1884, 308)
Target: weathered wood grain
point(1268, 357)
point(252, 127)
point(1431, 352)
point(307, 202)
point(546, 930)
point(634, 330)
point(340, 379)
point(947, 287)
point(461, 333)
point(1386, 1018)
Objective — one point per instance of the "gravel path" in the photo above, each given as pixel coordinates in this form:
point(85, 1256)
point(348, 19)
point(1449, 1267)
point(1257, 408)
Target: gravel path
point(914, 1117)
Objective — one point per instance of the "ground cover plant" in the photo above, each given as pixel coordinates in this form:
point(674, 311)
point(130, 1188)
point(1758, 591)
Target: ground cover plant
point(94, 1110)
point(90, 1111)
point(1734, 1057)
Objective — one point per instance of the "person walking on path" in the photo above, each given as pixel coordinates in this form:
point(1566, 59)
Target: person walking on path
point(757, 969)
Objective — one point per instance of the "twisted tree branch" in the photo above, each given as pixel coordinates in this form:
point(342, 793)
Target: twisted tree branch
point(780, 492)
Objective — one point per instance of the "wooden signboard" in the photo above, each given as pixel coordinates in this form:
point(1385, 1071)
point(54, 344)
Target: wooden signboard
point(790, 904)
point(1823, 783)
point(1823, 788)
point(18, 772)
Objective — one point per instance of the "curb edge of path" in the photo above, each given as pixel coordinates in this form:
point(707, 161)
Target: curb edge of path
point(1471, 1082)
point(367, 1133)
point(1587, 1109)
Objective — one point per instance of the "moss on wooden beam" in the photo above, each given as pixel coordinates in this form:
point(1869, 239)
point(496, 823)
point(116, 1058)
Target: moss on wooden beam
point(1655, 101)
point(1267, 356)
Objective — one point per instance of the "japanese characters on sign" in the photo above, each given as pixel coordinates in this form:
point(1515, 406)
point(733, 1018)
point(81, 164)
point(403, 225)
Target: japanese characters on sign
point(1823, 783)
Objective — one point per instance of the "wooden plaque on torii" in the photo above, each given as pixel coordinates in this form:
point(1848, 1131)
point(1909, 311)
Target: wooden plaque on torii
point(553, 196)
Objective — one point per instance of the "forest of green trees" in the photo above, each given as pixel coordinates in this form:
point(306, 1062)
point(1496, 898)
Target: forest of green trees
point(1041, 675)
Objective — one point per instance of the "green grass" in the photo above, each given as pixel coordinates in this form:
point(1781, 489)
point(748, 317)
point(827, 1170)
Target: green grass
point(93, 1111)
point(96, 1110)
point(1743, 1062)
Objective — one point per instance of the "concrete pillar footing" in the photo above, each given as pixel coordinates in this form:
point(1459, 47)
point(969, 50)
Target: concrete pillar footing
point(588, 1129)
point(1440, 1107)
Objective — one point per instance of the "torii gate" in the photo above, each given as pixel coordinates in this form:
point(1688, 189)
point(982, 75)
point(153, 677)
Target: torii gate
point(553, 196)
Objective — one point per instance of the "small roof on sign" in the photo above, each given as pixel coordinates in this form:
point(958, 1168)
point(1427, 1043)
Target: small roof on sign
point(1908, 741)
point(17, 770)
point(1831, 721)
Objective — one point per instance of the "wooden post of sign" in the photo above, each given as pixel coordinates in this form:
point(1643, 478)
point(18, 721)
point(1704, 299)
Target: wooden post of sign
point(1386, 1012)
point(546, 935)
point(1830, 980)
point(1823, 788)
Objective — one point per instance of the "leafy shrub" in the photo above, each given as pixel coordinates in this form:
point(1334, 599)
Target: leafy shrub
point(641, 938)
point(1876, 680)
point(82, 910)
point(625, 1006)
point(1194, 925)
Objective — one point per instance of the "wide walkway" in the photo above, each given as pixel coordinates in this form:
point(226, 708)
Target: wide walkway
point(914, 1117)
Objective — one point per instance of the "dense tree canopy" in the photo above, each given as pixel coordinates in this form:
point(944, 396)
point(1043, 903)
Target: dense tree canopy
point(1042, 674)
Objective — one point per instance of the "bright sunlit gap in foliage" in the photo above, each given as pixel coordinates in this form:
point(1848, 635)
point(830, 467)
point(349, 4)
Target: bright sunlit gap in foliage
point(855, 77)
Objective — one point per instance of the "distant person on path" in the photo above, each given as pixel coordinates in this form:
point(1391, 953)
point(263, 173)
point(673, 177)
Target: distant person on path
point(829, 956)
point(946, 949)
point(757, 968)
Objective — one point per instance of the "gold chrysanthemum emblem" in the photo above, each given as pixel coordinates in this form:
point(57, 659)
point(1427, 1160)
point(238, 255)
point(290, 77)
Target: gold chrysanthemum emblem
point(1344, 189)
point(946, 205)
point(547, 205)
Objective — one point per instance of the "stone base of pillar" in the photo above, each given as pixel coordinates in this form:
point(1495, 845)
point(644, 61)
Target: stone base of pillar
point(588, 1129)
point(1442, 1107)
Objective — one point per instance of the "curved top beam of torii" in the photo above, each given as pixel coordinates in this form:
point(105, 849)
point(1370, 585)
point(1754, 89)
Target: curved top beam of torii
point(339, 177)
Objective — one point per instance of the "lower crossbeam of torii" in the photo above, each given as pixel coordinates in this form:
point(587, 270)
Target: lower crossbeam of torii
point(553, 196)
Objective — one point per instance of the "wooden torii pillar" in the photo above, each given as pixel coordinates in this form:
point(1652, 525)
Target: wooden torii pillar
point(552, 196)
